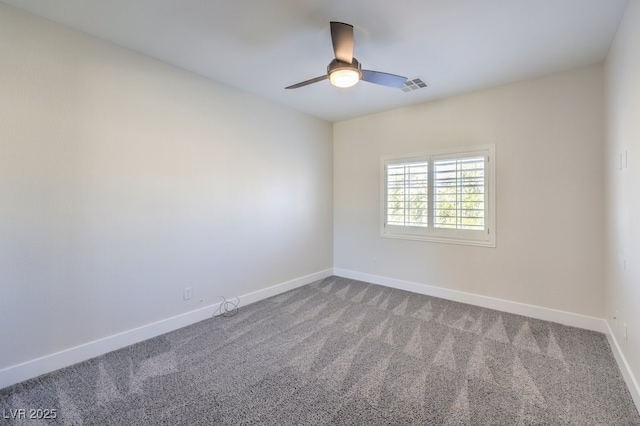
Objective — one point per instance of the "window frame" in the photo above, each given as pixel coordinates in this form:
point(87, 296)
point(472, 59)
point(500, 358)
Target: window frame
point(484, 238)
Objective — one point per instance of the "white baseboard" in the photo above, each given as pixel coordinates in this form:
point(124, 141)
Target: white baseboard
point(547, 314)
point(48, 363)
point(627, 373)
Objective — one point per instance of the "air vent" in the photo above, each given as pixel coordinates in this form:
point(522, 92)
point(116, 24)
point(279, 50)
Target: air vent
point(414, 84)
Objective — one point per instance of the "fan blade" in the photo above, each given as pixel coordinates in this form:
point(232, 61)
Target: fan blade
point(383, 78)
point(306, 83)
point(342, 39)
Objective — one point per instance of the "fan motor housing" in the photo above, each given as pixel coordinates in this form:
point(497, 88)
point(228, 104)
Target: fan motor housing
point(337, 64)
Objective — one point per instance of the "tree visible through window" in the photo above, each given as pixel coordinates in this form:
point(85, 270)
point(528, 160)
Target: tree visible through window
point(459, 193)
point(443, 196)
point(407, 185)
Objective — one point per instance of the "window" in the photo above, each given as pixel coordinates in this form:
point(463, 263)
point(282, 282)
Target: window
point(444, 196)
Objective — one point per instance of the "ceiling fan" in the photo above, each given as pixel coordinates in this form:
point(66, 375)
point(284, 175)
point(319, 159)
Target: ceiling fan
point(345, 70)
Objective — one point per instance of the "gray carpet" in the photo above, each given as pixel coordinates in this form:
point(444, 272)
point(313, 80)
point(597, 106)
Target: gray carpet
point(344, 352)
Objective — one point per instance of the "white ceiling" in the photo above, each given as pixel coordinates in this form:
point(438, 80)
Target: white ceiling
point(261, 46)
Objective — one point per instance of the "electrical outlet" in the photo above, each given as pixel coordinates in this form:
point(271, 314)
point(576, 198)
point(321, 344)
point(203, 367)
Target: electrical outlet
point(187, 293)
point(625, 331)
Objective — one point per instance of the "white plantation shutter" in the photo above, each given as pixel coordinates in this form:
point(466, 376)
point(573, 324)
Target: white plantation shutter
point(459, 193)
point(407, 193)
point(445, 196)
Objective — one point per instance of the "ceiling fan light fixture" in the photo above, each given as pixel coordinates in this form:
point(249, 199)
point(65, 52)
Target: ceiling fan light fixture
point(344, 74)
point(345, 77)
point(345, 70)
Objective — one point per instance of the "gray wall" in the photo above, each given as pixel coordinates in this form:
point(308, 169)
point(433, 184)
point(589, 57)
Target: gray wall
point(622, 79)
point(548, 134)
point(124, 180)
